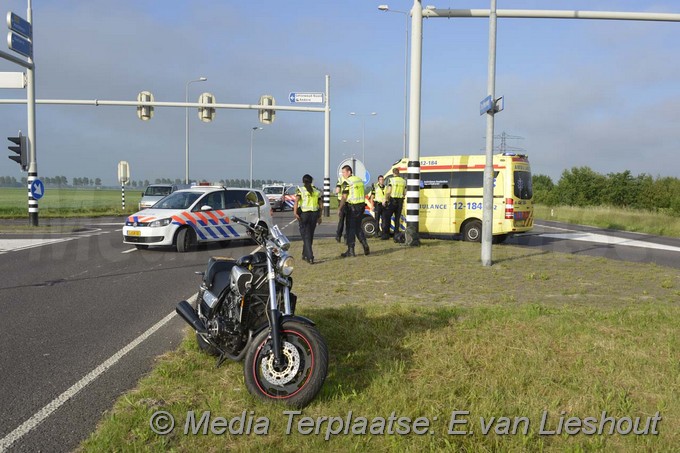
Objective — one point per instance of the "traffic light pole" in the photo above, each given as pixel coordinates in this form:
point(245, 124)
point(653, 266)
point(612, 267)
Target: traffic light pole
point(30, 104)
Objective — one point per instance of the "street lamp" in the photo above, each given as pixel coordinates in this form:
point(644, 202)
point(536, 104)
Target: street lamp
point(386, 8)
point(252, 132)
point(186, 131)
point(363, 133)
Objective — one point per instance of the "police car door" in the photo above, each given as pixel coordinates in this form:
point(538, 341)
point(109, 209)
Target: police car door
point(237, 206)
point(211, 224)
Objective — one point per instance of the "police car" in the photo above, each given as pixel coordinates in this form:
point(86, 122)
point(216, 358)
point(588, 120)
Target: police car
point(201, 214)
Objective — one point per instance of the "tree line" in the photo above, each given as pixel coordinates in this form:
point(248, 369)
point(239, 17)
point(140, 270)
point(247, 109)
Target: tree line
point(583, 187)
point(83, 182)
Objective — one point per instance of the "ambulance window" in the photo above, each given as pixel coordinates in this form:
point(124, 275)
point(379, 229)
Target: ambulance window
point(469, 179)
point(436, 180)
point(523, 187)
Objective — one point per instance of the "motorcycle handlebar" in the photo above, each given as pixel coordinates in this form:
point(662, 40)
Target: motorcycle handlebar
point(256, 228)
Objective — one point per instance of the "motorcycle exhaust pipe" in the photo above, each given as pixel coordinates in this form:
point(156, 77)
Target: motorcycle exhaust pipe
point(188, 314)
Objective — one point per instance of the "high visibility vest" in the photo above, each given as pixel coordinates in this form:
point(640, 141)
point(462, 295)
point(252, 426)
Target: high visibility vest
point(308, 201)
point(356, 190)
point(379, 193)
point(398, 186)
point(339, 185)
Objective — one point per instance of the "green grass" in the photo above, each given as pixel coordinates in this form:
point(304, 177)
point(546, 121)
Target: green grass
point(69, 202)
point(613, 218)
point(538, 332)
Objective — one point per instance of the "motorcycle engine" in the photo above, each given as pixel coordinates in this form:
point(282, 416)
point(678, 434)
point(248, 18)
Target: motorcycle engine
point(240, 280)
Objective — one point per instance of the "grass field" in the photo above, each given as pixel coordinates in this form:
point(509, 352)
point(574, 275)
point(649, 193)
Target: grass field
point(613, 218)
point(424, 332)
point(69, 202)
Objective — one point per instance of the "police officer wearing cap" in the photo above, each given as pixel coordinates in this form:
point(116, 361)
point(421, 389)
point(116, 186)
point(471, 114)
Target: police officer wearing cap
point(307, 209)
point(394, 202)
point(353, 198)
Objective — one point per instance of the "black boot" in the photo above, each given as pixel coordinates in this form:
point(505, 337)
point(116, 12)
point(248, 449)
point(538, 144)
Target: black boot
point(367, 251)
point(349, 252)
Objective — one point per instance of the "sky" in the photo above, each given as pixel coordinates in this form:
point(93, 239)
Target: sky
point(602, 94)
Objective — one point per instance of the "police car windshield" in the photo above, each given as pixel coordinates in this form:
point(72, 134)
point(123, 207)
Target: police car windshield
point(273, 190)
point(178, 200)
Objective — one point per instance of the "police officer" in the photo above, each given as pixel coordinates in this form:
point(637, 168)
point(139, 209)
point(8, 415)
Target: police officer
point(394, 202)
point(377, 196)
point(307, 209)
point(343, 220)
point(353, 198)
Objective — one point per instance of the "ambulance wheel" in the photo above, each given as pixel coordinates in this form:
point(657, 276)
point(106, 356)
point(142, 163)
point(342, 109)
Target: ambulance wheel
point(369, 225)
point(185, 239)
point(472, 231)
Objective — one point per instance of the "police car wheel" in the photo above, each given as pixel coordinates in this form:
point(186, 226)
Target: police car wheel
point(369, 225)
point(472, 232)
point(185, 240)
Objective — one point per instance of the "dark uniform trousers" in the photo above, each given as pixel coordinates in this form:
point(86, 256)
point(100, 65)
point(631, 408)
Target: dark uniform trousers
point(354, 230)
point(343, 221)
point(378, 209)
point(394, 207)
point(307, 226)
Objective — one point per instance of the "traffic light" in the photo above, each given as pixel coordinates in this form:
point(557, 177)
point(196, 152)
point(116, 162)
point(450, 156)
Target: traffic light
point(266, 116)
point(206, 114)
point(145, 112)
point(21, 148)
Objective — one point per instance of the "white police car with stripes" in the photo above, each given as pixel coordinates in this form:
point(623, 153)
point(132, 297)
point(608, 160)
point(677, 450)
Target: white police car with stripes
point(201, 214)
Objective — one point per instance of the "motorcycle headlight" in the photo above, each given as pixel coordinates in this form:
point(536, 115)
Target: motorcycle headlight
point(160, 223)
point(286, 265)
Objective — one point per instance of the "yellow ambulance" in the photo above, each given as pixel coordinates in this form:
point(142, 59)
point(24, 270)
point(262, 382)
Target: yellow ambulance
point(451, 195)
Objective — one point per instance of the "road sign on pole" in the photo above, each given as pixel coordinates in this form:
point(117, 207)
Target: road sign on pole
point(306, 98)
point(37, 189)
point(20, 44)
point(19, 25)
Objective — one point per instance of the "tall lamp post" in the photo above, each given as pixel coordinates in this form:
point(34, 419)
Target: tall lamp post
point(186, 130)
point(386, 8)
point(252, 133)
point(363, 132)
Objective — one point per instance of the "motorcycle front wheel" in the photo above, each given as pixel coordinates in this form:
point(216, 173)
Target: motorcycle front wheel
point(299, 378)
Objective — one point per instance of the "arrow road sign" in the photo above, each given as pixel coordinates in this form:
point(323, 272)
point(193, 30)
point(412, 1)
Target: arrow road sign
point(37, 189)
point(306, 97)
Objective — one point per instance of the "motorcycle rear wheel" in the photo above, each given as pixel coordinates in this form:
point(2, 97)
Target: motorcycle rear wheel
point(300, 378)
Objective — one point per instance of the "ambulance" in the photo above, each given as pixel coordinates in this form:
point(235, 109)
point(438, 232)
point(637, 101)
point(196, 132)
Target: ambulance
point(451, 195)
point(202, 214)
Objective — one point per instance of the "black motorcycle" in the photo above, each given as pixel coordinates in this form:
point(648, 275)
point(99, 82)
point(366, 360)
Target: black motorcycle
point(245, 309)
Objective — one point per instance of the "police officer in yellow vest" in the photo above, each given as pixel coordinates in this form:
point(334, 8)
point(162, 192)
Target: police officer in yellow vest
point(353, 198)
point(394, 202)
point(307, 209)
point(343, 220)
point(377, 196)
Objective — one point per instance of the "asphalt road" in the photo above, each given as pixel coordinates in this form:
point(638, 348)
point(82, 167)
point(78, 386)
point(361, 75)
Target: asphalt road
point(71, 303)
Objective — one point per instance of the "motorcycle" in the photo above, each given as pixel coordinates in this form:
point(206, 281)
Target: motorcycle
point(245, 310)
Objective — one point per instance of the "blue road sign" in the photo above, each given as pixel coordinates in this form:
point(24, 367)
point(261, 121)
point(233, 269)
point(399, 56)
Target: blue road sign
point(486, 105)
point(20, 44)
point(37, 189)
point(19, 25)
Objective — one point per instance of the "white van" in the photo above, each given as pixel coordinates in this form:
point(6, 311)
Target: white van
point(154, 192)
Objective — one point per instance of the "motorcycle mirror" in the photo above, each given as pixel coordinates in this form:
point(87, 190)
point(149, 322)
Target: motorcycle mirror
point(251, 198)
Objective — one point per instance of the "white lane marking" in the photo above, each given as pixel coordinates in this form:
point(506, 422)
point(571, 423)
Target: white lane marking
point(59, 401)
point(611, 240)
point(128, 251)
point(10, 245)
